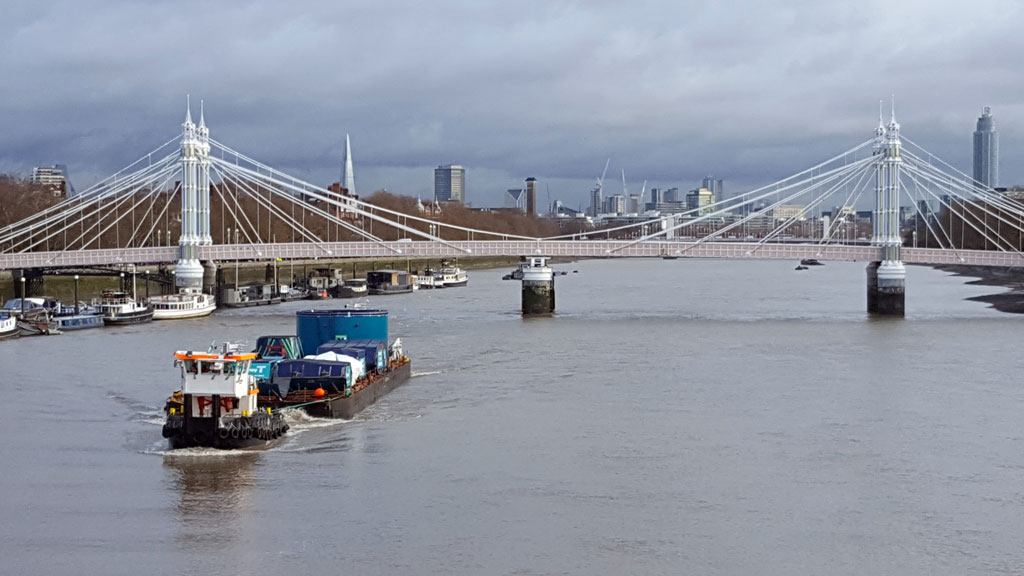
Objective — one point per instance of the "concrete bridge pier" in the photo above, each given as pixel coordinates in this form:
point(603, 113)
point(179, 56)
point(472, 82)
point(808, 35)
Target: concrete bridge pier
point(886, 288)
point(538, 286)
point(33, 284)
point(210, 277)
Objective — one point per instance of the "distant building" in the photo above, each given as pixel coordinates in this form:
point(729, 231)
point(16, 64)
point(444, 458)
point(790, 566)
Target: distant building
point(54, 178)
point(515, 198)
point(700, 200)
point(633, 205)
point(616, 204)
point(450, 183)
point(986, 151)
point(789, 212)
point(596, 202)
point(671, 195)
point(715, 186)
point(531, 196)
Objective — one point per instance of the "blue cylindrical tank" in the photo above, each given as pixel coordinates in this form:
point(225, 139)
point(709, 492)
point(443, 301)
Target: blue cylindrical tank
point(314, 327)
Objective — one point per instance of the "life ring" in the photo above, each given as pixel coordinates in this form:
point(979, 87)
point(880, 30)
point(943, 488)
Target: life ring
point(224, 433)
point(246, 433)
point(234, 433)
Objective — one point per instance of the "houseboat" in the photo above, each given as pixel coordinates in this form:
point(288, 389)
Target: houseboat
point(119, 308)
point(247, 296)
point(451, 277)
point(185, 304)
point(389, 282)
point(351, 288)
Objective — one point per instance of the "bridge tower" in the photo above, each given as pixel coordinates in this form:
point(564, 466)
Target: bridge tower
point(887, 279)
point(195, 202)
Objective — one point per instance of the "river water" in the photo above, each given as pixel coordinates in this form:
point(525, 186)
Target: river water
point(674, 417)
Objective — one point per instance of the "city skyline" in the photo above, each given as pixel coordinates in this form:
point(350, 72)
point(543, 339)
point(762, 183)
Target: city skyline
point(670, 91)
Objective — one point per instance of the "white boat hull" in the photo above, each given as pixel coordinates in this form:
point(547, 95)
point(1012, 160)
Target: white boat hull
point(182, 314)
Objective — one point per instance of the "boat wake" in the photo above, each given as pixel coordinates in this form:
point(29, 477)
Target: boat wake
point(418, 374)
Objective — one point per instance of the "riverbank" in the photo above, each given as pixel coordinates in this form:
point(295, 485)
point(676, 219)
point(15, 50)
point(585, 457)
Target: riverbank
point(1011, 301)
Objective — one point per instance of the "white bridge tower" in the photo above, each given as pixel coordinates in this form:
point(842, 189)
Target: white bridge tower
point(887, 279)
point(195, 202)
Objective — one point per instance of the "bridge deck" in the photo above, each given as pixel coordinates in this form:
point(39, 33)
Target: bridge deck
point(563, 248)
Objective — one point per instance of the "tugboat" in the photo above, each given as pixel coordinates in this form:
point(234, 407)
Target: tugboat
point(217, 405)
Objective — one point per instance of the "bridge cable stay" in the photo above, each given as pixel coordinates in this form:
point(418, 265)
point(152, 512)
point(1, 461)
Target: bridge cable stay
point(290, 220)
point(360, 206)
point(83, 204)
point(723, 206)
point(332, 201)
point(153, 194)
point(970, 193)
point(966, 183)
point(843, 178)
point(921, 215)
point(851, 200)
point(156, 221)
point(95, 204)
point(840, 178)
point(814, 203)
point(984, 232)
point(292, 223)
point(963, 193)
point(244, 179)
point(88, 192)
point(826, 175)
point(117, 218)
point(316, 210)
point(26, 226)
point(100, 217)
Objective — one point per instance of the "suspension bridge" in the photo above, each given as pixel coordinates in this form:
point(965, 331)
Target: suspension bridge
point(127, 219)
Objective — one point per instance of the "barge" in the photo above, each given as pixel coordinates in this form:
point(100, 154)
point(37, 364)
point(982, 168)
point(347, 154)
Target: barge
point(217, 405)
point(354, 364)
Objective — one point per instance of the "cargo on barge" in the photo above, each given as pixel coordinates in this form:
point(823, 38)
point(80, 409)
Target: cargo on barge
point(354, 364)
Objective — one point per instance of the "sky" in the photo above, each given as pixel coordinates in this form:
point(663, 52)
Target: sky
point(669, 91)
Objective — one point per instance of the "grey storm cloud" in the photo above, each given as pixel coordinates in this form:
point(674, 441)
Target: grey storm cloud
point(670, 91)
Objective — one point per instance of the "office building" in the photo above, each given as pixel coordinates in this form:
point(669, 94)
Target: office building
point(54, 178)
point(450, 183)
point(986, 151)
point(700, 200)
point(715, 186)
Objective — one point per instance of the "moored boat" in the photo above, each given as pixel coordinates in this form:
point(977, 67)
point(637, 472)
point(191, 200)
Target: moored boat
point(351, 288)
point(381, 282)
point(451, 277)
point(118, 309)
point(184, 304)
point(217, 405)
point(8, 327)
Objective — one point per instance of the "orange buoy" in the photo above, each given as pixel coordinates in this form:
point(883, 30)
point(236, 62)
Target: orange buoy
point(320, 392)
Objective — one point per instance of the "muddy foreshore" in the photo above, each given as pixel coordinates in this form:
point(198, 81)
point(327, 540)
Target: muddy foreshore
point(1011, 301)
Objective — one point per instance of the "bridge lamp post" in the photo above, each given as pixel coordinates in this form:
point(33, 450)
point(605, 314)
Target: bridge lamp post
point(168, 236)
point(76, 294)
point(122, 281)
point(914, 234)
point(23, 297)
point(147, 285)
point(159, 240)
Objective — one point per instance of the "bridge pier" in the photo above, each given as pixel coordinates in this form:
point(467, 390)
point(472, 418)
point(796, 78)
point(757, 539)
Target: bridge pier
point(538, 286)
point(210, 277)
point(33, 284)
point(886, 288)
